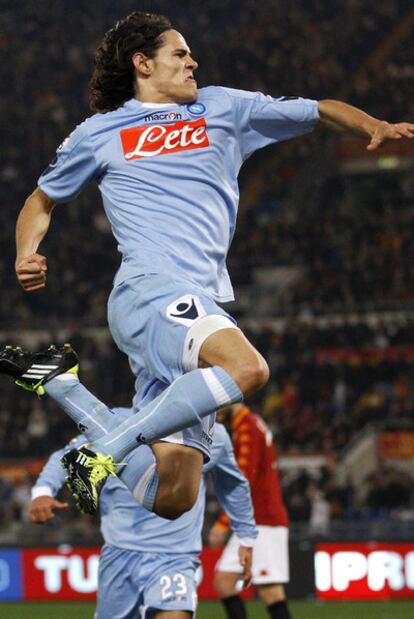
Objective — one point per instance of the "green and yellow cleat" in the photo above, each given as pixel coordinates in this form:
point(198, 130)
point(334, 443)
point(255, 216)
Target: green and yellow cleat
point(87, 472)
point(33, 369)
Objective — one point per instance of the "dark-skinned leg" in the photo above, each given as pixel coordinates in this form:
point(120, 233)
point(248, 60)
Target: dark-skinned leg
point(179, 470)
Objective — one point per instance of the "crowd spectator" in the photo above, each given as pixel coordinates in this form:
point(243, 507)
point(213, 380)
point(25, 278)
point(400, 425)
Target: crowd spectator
point(353, 243)
point(315, 62)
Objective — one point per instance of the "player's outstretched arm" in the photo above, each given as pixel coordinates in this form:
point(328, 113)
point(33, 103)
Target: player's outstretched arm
point(341, 116)
point(233, 492)
point(48, 484)
point(32, 224)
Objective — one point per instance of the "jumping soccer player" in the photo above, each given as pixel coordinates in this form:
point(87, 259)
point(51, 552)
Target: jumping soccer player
point(148, 564)
point(256, 456)
point(165, 156)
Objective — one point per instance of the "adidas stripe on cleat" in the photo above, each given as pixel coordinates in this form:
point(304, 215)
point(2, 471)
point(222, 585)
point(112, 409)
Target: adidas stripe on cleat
point(33, 369)
point(87, 473)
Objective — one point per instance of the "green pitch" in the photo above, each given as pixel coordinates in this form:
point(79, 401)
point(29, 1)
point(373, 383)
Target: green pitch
point(212, 610)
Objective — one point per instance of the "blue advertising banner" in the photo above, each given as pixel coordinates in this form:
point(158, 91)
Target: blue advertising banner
point(10, 575)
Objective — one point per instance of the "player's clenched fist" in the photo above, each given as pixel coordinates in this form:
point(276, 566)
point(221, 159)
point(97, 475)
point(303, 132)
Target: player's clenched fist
point(42, 508)
point(31, 272)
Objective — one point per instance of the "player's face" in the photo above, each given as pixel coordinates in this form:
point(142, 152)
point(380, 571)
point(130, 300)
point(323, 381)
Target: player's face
point(172, 75)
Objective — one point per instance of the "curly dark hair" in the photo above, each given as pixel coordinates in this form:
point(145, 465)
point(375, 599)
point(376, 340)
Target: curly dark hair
point(113, 78)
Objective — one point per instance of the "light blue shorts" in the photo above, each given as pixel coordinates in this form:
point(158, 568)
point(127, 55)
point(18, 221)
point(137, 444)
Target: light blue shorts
point(131, 585)
point(161, 324)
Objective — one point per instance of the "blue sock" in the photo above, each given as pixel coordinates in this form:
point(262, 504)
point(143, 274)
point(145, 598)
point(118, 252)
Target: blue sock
point(183, 404)
point(91, 416)
point(95, 420)
point(140, 476)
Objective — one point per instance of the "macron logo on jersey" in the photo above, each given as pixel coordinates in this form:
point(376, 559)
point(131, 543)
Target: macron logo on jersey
point(139, 142)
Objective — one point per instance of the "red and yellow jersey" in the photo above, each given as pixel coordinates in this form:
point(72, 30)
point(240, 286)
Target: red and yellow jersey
point(256, 456)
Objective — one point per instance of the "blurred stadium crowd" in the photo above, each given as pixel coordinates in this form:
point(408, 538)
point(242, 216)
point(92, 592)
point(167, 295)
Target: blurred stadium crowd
point(352, 241)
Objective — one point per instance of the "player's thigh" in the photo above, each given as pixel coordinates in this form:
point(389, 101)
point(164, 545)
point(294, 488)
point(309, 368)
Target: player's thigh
point(231, 350)
point(179, 469)
point(169, 583)
point(178, 460)
point(161, 324)
point(271, 556)
point(118, 591)
point(227, 346)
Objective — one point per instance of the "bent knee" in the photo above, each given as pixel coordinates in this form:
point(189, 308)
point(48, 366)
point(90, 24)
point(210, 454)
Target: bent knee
point(252, 376)
point(231, 350)
point(176, 506)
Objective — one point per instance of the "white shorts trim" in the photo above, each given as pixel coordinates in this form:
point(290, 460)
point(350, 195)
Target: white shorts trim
point(270, 556)
point(143, 482)
point(197, 335)
point(176, 438)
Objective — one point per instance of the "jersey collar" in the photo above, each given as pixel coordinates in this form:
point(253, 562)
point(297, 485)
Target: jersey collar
point(133, 104)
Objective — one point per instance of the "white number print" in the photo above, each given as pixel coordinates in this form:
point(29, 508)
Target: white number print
point(177, 582)
point(181, 584)
point(165, 582)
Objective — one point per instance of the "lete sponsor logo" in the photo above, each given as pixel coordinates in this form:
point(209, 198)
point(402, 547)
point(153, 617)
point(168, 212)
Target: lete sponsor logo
point(140, 142)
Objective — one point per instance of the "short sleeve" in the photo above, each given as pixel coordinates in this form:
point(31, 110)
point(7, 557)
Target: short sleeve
point(73, 167)
point(262, 120)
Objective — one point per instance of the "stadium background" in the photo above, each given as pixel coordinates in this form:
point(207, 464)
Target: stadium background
point(322, 262)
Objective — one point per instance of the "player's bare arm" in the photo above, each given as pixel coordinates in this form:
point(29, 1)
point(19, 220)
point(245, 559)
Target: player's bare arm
point(344, 117)
point(32, 224)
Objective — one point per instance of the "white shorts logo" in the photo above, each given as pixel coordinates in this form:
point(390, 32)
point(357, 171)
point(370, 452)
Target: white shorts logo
point(186, 310)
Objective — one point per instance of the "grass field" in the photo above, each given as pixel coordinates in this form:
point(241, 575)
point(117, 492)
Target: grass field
point(212, 610)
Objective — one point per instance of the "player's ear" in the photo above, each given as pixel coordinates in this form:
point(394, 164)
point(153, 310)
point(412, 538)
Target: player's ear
point(142, 64)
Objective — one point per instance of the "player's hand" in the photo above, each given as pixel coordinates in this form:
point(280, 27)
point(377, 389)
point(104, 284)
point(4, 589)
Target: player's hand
point(387, 131)
point(216, 537)
point(31, 272)
point(42, 508)
point(245, 559)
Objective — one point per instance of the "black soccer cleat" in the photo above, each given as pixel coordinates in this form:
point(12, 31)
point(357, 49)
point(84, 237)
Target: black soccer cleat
point(32, 369)
point(87, 472)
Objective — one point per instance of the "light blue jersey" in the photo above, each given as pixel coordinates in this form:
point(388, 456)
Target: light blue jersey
point(148, 562)
point(125, 524)
point(168, 176)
